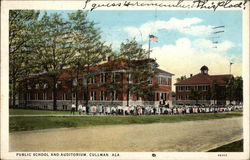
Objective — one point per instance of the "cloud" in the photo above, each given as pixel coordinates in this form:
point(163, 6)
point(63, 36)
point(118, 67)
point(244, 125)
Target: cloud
point(186, 57)
point(188, 26)
point(208, 45)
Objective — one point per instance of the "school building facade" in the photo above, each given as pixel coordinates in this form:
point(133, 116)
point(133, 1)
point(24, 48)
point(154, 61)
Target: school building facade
point(200, 89)
point(107, 85)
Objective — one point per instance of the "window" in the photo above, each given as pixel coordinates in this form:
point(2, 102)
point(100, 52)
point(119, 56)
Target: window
point(114, 93)
point(179, 97)
point(36, 96)
point(129, 78)
point(93, 79)
point(196, 88)
point(64, 96)
point(129, 96)
point(159, 80)
point(90, 80)
point(74, 95)
point(137, 97)
point(169, 81)
point(37, 86)
point(204, 88)
point(45, 86)
point(199, 88)
point(102, 78)
point(102, 95)
point(182, 88)
point(44, 96)
point(84, 81)
point(92, 96)
point(157, 96)
point(64, 107)
point(28, 96)
point(163, 96)
point(74, 83)
point(113, 77)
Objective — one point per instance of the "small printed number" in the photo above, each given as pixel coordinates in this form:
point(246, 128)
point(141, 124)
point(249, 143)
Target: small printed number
point(222, 155)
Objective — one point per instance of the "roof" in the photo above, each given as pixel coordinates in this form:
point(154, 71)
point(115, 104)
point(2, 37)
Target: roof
point(205, 79)
point(163, 72)
point(119, 63)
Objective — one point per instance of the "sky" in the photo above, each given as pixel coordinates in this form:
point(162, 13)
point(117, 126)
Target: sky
point(185, 37)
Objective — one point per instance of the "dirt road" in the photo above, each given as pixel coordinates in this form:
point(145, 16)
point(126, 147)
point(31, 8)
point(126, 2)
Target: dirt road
point(163, 137)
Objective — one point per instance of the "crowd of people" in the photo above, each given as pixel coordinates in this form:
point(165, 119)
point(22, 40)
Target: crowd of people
point(150, 110)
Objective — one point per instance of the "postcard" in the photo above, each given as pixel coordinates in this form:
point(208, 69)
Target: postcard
point(125, 79)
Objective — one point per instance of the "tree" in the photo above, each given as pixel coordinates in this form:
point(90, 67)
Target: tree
point(131, 50)
point(52, 44)
point(217, 92)
point(235, 89)
point(181, 78)
point(213, 91)
point(88, 47)
point(140, 70)
point(20, 36)
point(195, 95)
point(238, 89)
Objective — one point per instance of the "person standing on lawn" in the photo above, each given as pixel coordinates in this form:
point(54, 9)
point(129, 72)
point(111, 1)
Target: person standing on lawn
point(80, 109)
point(73, 108)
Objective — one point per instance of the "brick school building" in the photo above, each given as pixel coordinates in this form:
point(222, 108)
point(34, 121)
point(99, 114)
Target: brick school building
point(201, 89)
point(112, 83)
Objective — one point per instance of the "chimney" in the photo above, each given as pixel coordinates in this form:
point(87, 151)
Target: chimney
point(191, 75)
point(110, 58)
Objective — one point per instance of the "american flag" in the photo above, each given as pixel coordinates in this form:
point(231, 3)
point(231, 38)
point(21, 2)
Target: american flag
point(153, 38)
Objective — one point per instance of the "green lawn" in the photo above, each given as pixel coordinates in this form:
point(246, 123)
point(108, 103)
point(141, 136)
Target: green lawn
point(34, 123)
point(236, 146)
point(35, 112)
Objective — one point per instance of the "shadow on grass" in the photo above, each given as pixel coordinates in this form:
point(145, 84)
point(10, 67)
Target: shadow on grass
point(236, 146)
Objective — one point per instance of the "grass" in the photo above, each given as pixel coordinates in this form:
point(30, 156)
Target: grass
point(35, 123)
point(236, 146)
point(35, 112)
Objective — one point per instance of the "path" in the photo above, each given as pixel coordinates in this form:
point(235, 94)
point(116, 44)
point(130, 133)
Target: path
point(182, 136)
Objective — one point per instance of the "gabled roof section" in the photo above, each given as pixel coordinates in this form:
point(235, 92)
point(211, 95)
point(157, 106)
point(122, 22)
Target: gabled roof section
point(196, 79)
point(221, 79)
point(164, 72)
point(205, 79)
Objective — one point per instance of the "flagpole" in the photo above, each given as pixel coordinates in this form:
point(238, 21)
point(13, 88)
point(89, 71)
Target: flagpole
point(149, 46)
point(230, 64)
point(230, 68)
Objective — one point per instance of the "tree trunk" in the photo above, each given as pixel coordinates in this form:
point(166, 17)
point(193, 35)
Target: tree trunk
point(76, 90)
point(14, 93)
point(54, 94)
point(128, 96)
point(25, 94)
point(87, 88)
